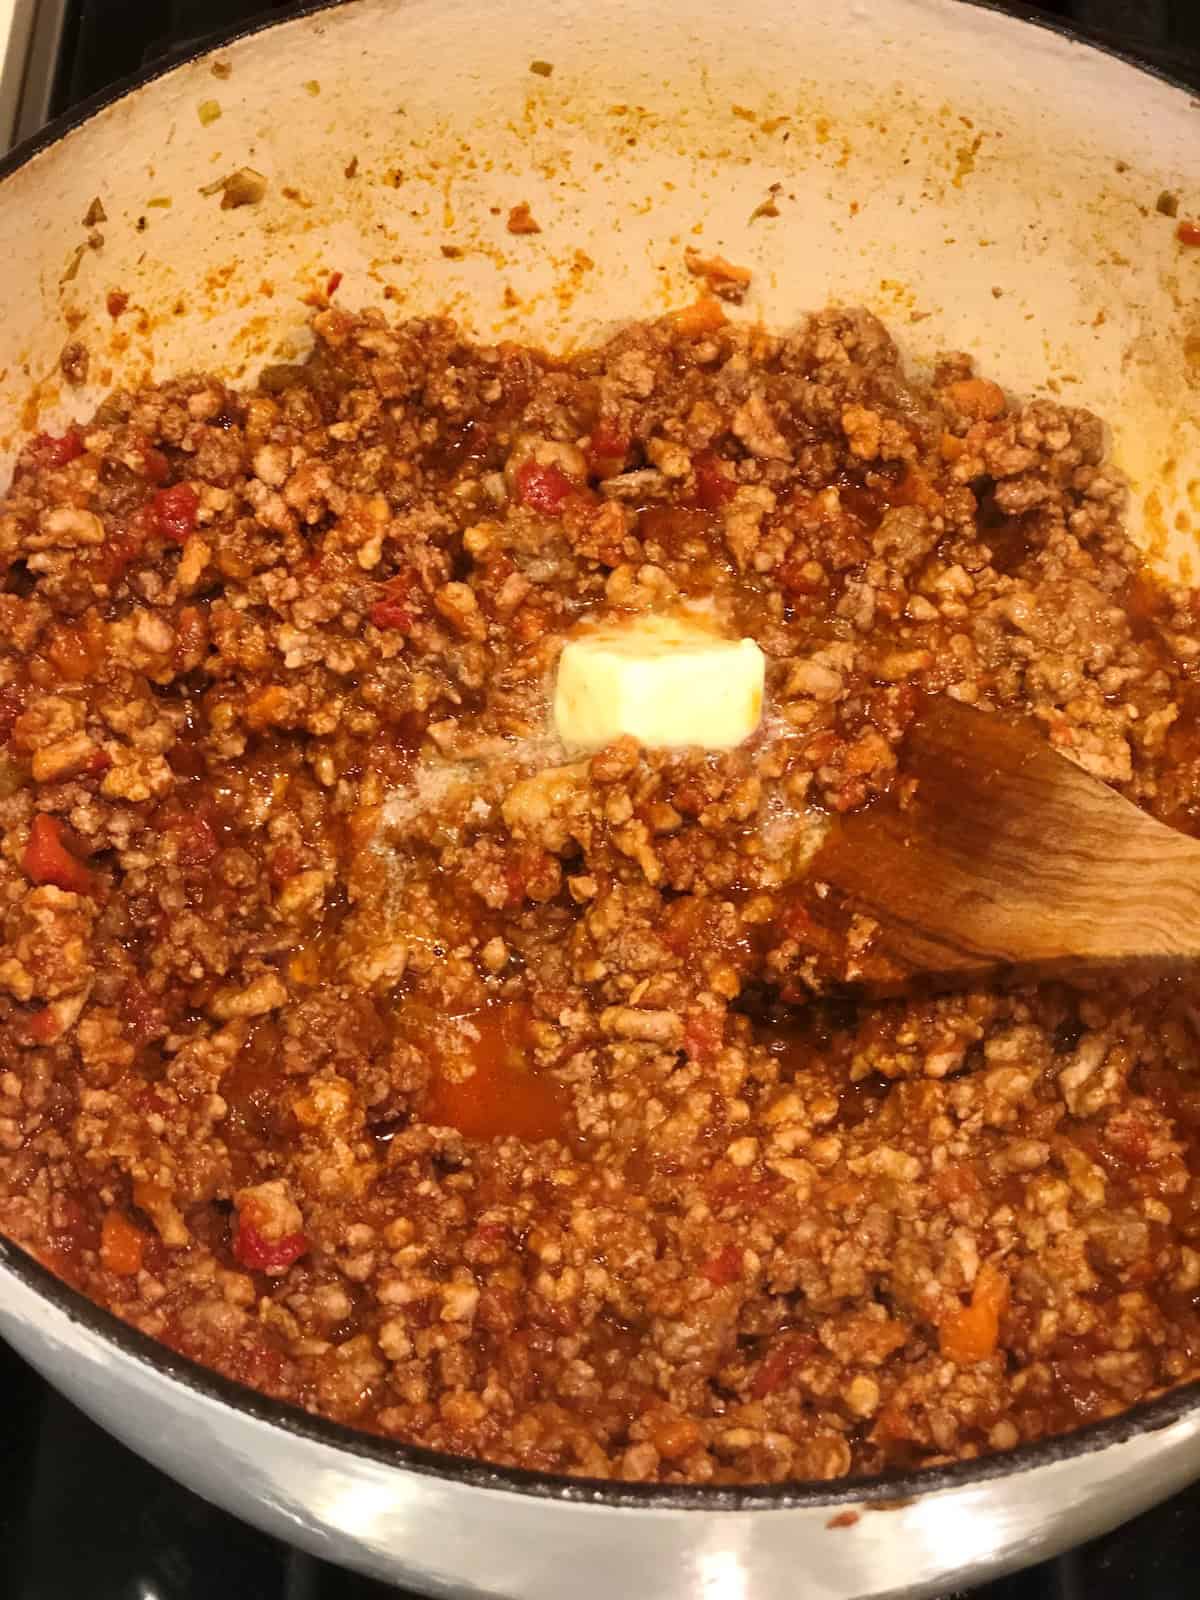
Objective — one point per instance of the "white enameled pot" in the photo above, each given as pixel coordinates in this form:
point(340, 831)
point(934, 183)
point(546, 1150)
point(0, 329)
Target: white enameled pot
point(983, 183)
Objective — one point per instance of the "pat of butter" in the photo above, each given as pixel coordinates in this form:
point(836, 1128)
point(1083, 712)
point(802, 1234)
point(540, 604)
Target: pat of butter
point(667, 681)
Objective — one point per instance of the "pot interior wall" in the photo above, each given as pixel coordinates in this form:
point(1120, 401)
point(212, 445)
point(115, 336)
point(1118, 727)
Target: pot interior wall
point(966, 176)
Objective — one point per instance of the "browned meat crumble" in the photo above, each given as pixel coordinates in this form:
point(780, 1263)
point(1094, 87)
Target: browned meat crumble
point(360, 1044)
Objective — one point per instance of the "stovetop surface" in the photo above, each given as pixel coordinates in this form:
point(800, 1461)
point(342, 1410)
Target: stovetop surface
point(81, 1517)
point(105, 40)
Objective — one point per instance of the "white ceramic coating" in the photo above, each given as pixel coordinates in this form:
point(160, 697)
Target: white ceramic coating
point(981, 183)
point(443, 1538)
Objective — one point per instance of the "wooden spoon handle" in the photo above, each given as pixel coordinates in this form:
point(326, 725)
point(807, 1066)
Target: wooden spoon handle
point(1009, 855)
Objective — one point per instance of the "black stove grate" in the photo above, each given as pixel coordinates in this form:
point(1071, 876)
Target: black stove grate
point(106, 40)
point(82, 1518)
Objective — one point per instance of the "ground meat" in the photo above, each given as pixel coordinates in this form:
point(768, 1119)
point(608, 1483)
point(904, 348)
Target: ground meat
point(358, 1040)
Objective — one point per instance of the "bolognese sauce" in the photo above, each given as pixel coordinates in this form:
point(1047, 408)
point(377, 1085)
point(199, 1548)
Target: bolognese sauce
point(362, 1043)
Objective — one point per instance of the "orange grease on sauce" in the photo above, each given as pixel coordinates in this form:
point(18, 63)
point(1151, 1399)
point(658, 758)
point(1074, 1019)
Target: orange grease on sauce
point(503, 1097)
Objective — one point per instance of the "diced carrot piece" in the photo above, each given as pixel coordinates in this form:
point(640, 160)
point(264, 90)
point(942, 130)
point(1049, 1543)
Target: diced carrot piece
point(304, 966)
point(971, 1333)
point(269, 707)
point(703, 316)
point(121, 1245)
point(915, 489)
point(78, 651)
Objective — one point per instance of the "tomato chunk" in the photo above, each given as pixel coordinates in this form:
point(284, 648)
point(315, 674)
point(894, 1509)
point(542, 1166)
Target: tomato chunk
point(47, 859)
point(714, 486)
point(788, 1353)
point(1188, 233)
point(155, 465)
point(392, 614)
point(703, 1035)
point(543, 489)
point(396, 607)
point(725, 1267)
point(42, 1026)
point(284, 863)
point(144, 1013)
point(175, 511)
point(266, 1255)
point(608, 445)
point(12, 703)
point(56, 452)
point(195, 842)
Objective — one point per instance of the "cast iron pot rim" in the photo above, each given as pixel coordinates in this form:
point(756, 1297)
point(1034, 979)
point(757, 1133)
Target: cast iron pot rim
point(881, 1493)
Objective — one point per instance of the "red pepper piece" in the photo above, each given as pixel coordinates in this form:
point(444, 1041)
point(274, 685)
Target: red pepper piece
point(47, 859)
point(543, 489)
point(267, 1255)
point(50, 451)
point(391, 614)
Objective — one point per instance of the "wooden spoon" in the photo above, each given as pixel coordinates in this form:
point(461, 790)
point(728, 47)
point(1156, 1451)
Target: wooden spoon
point(1008, 855)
